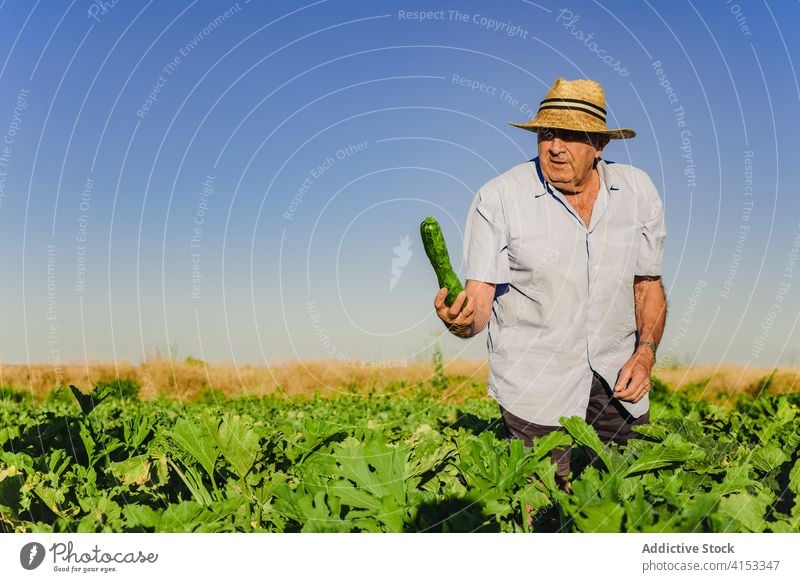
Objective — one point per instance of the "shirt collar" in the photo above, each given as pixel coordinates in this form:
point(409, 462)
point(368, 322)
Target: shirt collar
point(607, 175)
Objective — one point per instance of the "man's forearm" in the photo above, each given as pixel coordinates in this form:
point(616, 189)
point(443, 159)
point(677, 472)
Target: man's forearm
point(651, 309)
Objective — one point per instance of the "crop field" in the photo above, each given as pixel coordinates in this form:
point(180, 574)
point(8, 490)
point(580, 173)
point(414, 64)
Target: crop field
point(425, 454)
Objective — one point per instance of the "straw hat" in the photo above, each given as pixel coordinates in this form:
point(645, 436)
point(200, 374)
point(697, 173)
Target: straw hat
point(578, 105)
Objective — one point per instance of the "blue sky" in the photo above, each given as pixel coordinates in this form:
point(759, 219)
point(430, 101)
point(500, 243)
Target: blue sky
point(231, 180)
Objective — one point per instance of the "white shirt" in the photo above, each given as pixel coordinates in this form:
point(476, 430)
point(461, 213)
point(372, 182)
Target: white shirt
point(563, 304)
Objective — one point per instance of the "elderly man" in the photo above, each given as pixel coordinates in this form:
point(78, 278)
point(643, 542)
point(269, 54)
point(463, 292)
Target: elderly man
point(563, 261)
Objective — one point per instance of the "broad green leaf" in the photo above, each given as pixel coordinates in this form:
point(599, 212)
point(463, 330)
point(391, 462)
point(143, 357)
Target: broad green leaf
point(138, 515)
point(652, 431)
point(629, 487)
point(180, 517)
point(85, 401)
point(769, 457)
point(428, 455)
point(354, 497)
point(238, 443)
point(353, 465)
point(497, 506)
point(745, 509)
point(533, 495)
point(198, 439)
point(697, 511)
point(603, 518)
point(389, 465)
point(672, 450)
point(102, 513)
point(542, 446)
point(318, 517)
point(638, 513)
point(737, 479)
point(52, 498)
point(132, 471)
point(137, 428)
point(586, 436)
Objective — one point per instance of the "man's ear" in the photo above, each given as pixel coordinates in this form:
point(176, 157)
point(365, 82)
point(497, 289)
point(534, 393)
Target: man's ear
point(600, 142)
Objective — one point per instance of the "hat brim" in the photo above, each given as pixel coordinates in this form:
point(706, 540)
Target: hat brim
point(621, 133)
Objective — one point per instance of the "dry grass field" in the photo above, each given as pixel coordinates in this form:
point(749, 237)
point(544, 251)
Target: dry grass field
point(183, 380)
point(191, 378)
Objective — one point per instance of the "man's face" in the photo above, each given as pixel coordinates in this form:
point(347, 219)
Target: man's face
point(567, 157)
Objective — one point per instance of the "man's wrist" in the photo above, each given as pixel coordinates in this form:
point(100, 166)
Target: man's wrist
point(651, 345)
point(464, 331)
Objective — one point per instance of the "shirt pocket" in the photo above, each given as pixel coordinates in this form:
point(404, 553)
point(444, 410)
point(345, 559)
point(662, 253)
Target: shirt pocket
point(618, 252)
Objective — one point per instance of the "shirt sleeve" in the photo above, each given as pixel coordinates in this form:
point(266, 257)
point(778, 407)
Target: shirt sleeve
point(654, 231)
point(486, 239)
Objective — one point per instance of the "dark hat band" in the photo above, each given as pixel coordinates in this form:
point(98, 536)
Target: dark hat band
point(576, 105)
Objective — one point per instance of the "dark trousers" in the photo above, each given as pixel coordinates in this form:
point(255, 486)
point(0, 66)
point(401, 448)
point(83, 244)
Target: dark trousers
point(608, 417)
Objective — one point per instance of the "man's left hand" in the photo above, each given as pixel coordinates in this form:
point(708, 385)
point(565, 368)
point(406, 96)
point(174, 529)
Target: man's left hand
point(634, 378)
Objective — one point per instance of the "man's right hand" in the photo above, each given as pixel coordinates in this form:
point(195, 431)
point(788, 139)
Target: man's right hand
point(470, 312)
point(459, 317)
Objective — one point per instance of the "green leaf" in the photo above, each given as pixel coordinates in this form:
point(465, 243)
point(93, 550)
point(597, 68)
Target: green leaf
point(737, 479)
point(638, 513)
point(354, 497)
point(102, 513)
point(794, 480)
point(238, 443)
point(137, 428)
point(748, 510)
point(89, 402)
point(542, 446)
point(602, 518)
point(769, 457)
point(651, 431)
point(88, 443)
point(140, 515)
point(51, 497)
point(629, 487)
point(58, 462)
point(180, 517)
point(389, 464)
point(194, 483)
point(349, 454)
point(696, 511)
point(586, 436)
point(198, 438)
point(428, 455)
point(132, 471)
point(672, 450)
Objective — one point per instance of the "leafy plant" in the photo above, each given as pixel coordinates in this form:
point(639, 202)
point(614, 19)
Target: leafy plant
point(104, 461)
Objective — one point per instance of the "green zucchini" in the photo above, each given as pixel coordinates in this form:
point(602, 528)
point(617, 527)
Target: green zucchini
point(436, 249)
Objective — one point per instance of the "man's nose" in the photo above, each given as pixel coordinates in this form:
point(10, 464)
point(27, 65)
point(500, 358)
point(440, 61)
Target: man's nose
point(556, 146)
